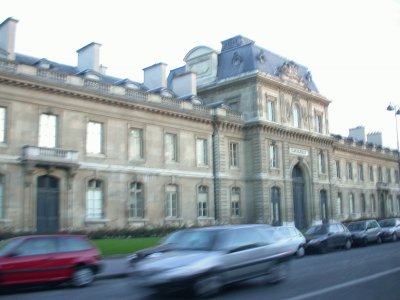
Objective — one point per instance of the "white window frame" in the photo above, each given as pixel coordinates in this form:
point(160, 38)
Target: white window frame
point(322, 162)
point(202, 152)
point(94, 137)
point(136, 200)
point(271, 110)
point(273, 156)
point(48, 124)
point(95, 199)
point(234, 154)
point(319, 123)
point(296, 115)
point(172, 201)
point(171, 147)
point(136, 144)
point(235, 202)
point(202, 201)
point(351, 203)
point(3, 127)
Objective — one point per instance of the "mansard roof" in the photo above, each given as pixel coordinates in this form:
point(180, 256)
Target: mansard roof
point(240, 55)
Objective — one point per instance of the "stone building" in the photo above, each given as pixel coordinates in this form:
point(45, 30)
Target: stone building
point(236, 136)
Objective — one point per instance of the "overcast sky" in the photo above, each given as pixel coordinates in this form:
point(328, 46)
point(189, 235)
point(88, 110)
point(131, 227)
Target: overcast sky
point(351, 47)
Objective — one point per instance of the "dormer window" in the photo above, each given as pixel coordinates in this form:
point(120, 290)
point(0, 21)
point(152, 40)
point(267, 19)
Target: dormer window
point(44, 65)
point(131, 85)
point(166, 93)
point(92, 76)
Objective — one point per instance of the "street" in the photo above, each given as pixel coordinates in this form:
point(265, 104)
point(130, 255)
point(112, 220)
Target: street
point(371, 272)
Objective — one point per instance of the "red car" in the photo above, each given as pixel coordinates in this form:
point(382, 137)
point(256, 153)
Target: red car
point(49, 258)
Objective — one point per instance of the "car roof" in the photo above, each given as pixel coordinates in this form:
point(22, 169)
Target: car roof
point(227, 227)
point(49, 236)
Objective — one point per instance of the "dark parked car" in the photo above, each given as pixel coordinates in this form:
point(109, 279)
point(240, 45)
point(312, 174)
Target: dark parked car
point(390, 229)
point(291, 234)
point(206, 259)
point(364, 232)
point(47, 259)
point(326, 236)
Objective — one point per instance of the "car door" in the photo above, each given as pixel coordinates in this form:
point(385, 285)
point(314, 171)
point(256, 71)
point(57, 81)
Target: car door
point(245, 255)
point(30, 262)
point(333, 238)
point(372, 231)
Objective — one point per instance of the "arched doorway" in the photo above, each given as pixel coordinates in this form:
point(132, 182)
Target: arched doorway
point(299, 209)
point(47, 208)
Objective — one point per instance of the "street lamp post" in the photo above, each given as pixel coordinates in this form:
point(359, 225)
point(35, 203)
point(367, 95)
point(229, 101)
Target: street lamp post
point(396, 110)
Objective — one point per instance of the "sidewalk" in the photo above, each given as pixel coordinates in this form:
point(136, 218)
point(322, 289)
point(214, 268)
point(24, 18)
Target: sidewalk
point(114, 267)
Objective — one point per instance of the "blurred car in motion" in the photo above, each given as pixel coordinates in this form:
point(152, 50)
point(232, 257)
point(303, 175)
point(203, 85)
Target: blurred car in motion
point(390, 229)
point(327, 236)
point(291, 234)
point(48, 259)
point(206, 259)
point(364, 232)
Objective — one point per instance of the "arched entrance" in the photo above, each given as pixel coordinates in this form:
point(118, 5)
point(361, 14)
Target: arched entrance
point(299, 209)
point(47, 208)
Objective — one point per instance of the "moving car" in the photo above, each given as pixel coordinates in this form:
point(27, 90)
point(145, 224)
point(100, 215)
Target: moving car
point(390, 229)
point(206, 259)
point(364, 232)
point(326, 236)
point(47, 259)
point(292, 235)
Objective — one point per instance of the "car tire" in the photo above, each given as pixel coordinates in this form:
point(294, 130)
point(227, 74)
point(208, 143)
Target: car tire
point(208, 285)
point(300, 252)
point(278, 272)
point(379, 240)
point(347, 245)
point(83, 276)
point(394, 237)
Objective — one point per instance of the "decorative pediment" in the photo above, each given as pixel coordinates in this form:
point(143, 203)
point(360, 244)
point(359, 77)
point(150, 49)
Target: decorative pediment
point(289, 71)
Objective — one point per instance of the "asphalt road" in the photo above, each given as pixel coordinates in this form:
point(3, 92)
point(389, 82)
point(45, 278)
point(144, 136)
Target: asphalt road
point(365, 273)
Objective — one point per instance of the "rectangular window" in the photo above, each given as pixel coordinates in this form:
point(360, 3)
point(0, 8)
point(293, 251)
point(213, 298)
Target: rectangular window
point(202, 201)
point(94, 199)
point(136, 200)
point(172, 201)
point(338, 175)
point(94, 138)
point(396, 175)
point(171, 147)
point(2, 124)
point(339, 204)
point(1, 197)
point(371, 173)
point(318, 123)
point(380, 174)
point(47, 131)
point(349, 171)
point(389, 176)
point(361, 172)
point(202, 152)
point(271, 110)
point(273, 158)
point(234, 154)
point(136, 144)
point(321, 162)
point(235, 202)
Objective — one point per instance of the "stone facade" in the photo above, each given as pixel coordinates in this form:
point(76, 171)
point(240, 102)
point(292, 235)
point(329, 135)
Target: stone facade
point(253, 146)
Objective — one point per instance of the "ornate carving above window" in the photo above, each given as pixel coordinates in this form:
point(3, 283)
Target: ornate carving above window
point(237, 59)
point(289, 71)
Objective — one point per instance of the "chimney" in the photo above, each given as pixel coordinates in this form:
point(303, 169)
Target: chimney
point(155, 76)
point(375, 138)
point(7, 37)
point(185, 84)
point(88, 57)
point(357, 133)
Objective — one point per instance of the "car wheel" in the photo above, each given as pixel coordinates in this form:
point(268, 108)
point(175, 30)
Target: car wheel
point(207, 286)
point(394, 237)
point(300, 252)
point(379, 240)
point(278, 272)
point(347, 245)
point(83, 276)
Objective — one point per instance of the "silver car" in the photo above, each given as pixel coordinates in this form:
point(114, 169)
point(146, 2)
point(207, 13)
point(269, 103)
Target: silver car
point(206, 259)
point(292, 235)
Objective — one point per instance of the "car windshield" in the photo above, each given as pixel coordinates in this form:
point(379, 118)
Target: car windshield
point(192, 239)
point(318, 229)
point(7, 245)
point(387, 223)
point(356, 226)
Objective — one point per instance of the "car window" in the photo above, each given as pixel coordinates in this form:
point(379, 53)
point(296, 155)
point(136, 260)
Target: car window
point(333, 228)
point(7, 245)
point(340, 227)
point(284, 231)
point(36, 246)
point(195, 240)
point(356, 226)
point(387, 223)
point(243, 237)
point(317, 229)
point(69, 244)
